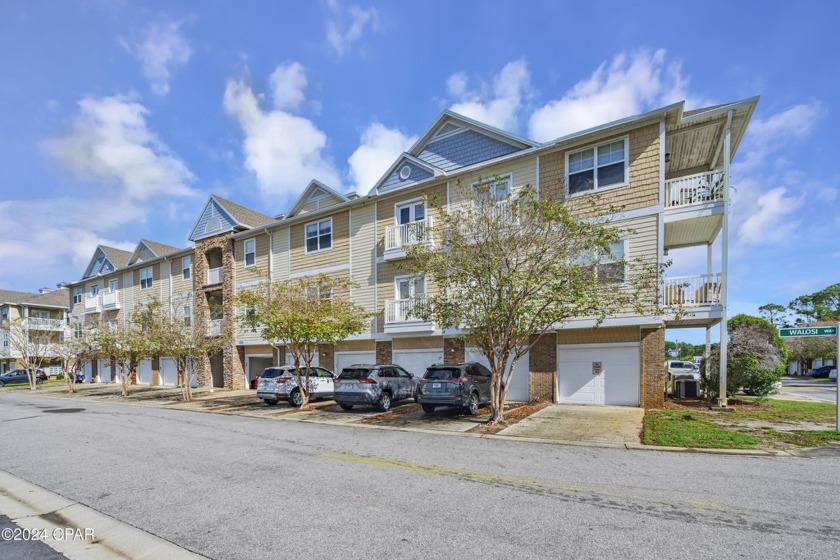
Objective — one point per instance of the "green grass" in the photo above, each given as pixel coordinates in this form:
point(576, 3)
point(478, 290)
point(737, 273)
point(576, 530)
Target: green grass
point(678, 428)
point(26, 383)
point(805, 438)
point(778, 410)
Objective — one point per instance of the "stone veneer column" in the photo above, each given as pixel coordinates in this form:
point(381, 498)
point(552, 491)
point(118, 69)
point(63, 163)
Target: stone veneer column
point(652, 379)
point(234, 356)
point(454, 351)
point(326, 358)
point(384, 354)
point(542, 366)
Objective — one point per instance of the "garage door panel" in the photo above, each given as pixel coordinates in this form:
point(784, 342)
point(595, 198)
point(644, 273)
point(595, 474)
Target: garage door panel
point(519, 383)
point(617, 384)
point(345, 359)
point(577, 384)
point(144, 372)
point(416, 361)
point(168, 372)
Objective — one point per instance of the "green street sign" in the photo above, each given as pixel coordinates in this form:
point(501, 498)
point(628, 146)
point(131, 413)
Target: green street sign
point(808, 331)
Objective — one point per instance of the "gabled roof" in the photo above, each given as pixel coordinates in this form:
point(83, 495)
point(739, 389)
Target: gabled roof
point(405, 158)
point(312, 189)
point(221, 215)
point(244, 216)
point(460, 121)
point(55, 298)
point(104, 255)
point(156, 249)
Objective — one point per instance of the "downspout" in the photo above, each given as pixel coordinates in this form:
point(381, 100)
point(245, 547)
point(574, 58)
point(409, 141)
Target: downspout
point(724, 269)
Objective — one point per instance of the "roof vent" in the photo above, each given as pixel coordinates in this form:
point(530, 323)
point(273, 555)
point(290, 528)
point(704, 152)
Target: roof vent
point(61, 285)
point(280, 217)
point(352, 195)
point(44, 290)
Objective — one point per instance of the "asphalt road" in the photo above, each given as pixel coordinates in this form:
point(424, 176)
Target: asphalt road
point(806, 389)
point(237, 487)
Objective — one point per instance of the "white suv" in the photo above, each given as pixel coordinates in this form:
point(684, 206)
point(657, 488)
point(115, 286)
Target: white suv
point(679, 369)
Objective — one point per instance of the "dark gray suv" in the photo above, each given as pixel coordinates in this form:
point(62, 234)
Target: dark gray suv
point(377, 385)
point(466, 386)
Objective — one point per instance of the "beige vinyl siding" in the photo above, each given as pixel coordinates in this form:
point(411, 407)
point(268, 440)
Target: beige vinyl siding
point(338, 254)
point(126, 294)
point(643, 189)
point(363, 254)
point(320, 204)
point(179, 285)
point(165, 280)
point(260, 269)
point(356, 346)
point(149, 293)
point(418, 343)
point(52, 313)
point(386, 273)
point(523, 172)
point(600, 335)
point(280, 259)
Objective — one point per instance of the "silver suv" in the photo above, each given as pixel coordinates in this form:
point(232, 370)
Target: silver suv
point(377, 385)
point(280, 383)
point(680, 369)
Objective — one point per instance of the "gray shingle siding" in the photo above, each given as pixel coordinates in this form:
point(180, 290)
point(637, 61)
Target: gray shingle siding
point(394, 182)
point(211, 210)
point(463, 149)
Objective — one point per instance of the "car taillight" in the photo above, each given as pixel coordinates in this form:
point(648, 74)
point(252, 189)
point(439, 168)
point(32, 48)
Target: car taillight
point(368, 380)
point(459, 380)
point(424, 381)
point(283, 379)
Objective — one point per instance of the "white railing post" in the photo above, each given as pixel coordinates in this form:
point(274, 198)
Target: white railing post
point(694, 189)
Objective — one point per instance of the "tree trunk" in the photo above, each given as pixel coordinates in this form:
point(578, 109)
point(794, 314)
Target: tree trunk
point(124, 379)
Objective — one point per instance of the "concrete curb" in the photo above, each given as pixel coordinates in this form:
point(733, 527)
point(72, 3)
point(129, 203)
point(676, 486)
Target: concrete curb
point(76, 530)
point(290, 417)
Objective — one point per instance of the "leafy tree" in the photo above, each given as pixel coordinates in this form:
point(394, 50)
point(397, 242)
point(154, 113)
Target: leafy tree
point(805, 349)
point(683, 350)
point(129, 341)
point(76, 351)
point(509, 270)
point(819, 306)
point(756, 358)
point(302, 314)
point(32, 346)
point(774, 313)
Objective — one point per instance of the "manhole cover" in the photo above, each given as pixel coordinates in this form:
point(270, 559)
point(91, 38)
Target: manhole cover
point(63, 410)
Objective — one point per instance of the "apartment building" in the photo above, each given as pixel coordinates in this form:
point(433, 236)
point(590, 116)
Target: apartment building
point(31, 317)
point(667, 170)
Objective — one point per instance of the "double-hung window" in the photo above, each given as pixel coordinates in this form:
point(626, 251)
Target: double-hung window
point(612, 267)
point(250, 252)
point(77, 295)
point(186, 267)
point(93, 290)
point(597, 168)
point(319, 235)
point(187, 315)
point(113, 285)
point(496, 187)
point(146, 278)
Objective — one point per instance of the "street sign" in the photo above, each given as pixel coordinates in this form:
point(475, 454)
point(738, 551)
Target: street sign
point(808, 331)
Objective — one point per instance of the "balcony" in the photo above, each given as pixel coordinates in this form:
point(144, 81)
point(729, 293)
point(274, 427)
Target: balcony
point(93, 304)
point(214, 327)
point(398, 239)
point(699, 297)
point(111, 300)
point(214, 276)
point(38, 323)
point(402, 316)
point(693, 209)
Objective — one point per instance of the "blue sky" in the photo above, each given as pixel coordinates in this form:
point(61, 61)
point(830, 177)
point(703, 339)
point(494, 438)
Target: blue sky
point(120, 118)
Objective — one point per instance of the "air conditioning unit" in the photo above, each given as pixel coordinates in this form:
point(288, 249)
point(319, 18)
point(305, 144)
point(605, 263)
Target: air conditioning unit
point(686, 389)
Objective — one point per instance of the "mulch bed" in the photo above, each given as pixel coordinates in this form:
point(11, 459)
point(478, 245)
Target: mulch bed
point(514, 413)
point(702, 404)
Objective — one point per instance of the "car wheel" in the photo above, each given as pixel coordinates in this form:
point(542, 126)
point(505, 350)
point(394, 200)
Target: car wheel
point(296, 399)
point(428, 408)
point(346, 406)
point(384, 402)
point(270, 402)
point(472, 404)
point(2, 383)
point(38, 381)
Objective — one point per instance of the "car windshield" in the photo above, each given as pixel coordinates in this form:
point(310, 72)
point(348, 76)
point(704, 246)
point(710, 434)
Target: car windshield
point(274, 372)
point(354, 373)
point(442, 373)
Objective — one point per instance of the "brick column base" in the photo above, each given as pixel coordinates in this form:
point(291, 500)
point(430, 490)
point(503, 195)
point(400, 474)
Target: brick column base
point(326, 359)
point(384, 354)
point(542, 365)
point(454, 351)
point(652, 378)
point(234, 368)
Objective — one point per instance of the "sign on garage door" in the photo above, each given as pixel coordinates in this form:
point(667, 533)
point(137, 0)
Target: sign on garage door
point(599, 375)
point(344, 359)
point(518, 390)
point(416, 361)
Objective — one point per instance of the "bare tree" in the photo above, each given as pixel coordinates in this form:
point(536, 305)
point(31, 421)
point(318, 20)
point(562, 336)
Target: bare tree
point(31, 346)
point(509, 270)
point(76, 351)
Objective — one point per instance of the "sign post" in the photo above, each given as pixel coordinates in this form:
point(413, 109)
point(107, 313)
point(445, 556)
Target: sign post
point(820, 331)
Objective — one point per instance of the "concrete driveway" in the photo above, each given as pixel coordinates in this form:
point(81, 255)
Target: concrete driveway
point(593, 424)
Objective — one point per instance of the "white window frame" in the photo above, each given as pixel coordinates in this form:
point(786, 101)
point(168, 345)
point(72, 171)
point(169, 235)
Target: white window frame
point(113, 285)
point(39, 314)
point(410, 203)
point(252, 242)
point(502, 178)
point(186, 267)
point(187, 315)
point(93, 290)
point(595, 147)
point(147, 276)
point(78, 294)
point(318, 236)
point(412, 278)
point(625, 248)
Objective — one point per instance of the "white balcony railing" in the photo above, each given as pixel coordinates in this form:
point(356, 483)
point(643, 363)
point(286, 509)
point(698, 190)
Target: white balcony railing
point(214, 327)
point(694, 189)
point(405, 235)
point(111, 300)
point(692, 291)
point(93, 304)
point(214, 275)
point(404, 310)
point(44, 324)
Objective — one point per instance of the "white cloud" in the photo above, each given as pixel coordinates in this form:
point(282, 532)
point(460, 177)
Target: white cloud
point(497, 104)
point(109, 142)
point(346, 25)
point(288, 82)
point(282, 150)
point(380, 146)
point(770, 220)
point(161, 48)
point(765, 136)
point(629, 84)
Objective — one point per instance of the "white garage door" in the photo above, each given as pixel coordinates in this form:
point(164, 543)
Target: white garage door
point(617, 383)
point(344, 359)
point(518, 391)
point(168, 372)
point(290, 360)
point(144, 372)
point(88, 371)
point(416, 361)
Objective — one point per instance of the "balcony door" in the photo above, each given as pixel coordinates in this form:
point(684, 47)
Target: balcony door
point(407, 217)
point(410, 291)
